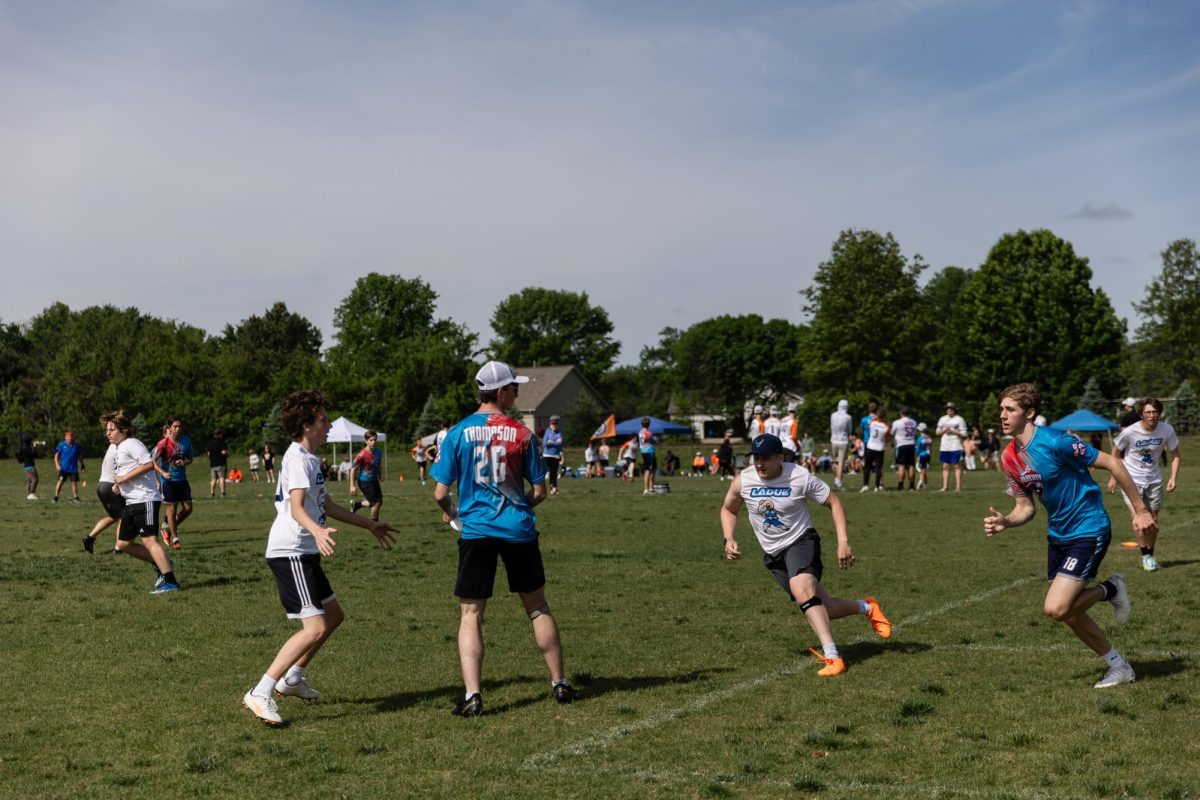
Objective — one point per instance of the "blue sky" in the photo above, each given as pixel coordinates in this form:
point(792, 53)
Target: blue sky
point(202, 159)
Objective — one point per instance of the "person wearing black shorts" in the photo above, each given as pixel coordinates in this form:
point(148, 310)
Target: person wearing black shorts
point(365, 477)
point(113, 503)
point(491, 456)
point(299, 537)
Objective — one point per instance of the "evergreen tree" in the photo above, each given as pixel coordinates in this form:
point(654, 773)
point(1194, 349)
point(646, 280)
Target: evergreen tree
point(1092, 399)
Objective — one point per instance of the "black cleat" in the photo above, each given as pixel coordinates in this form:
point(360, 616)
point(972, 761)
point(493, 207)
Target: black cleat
point(471, 707)
point(89, 544)
point(564, 693)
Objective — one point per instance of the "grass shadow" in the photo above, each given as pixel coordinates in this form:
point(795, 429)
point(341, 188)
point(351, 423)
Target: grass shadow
point(1179, 562)
point(858, 652)
point(1160, 668)
point(224, 580)
point(593, 686)
point(402, 700)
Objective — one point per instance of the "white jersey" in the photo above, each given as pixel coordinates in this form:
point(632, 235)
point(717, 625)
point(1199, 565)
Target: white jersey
point(441, 437)
point(756, 428)
point(904, 432)
point(773, 426)
point(840, 426)
point(788, 428)
point(777, 508)
point(1143, 449)
point(108, 467)
point(253, 459)
point(299, 469)
point(144, 488)
point(953, 440)
point(878, 432)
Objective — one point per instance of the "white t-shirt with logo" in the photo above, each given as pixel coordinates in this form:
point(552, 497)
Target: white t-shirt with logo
point(904, 432)
point(840, 426)
point(1143, 449)
point(300, 469)
point(144, 488)
point(952, 441)
point(878, 430)
point(777, 508)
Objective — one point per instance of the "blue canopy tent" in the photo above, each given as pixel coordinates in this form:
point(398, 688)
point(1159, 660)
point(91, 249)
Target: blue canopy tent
point(659, 427)
point(1084, 420)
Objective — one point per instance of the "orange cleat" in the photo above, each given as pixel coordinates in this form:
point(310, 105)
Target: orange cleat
point(879, 623)
point(833, 666)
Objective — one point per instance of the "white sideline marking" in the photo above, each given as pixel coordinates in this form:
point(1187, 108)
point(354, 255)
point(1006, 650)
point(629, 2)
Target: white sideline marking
point(1135, 653)
point(902, 789)
point(605, 739)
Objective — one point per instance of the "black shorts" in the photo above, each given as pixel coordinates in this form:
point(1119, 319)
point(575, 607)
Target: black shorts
point(801, 556)
point(139, 519)
point(906, 455)
point(477, 567)
point(649, 464)
point(303, 588)
point(177, 492)
point(68, 476)
point(114, 504)
point(923, 461)
point(873, 461)
point(371, 492)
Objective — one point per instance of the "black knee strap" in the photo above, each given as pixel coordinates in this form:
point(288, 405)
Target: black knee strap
point(811, 602)
point(544, 608)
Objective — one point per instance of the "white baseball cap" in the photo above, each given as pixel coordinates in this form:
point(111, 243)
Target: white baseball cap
point(758, 409)
point(774, 409)
point(495, 374)
point(1129, 401)
point(791, 406)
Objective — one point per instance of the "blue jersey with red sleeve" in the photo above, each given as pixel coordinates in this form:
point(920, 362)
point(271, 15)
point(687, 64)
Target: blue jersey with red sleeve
point(1054, 467)
point(491, 456)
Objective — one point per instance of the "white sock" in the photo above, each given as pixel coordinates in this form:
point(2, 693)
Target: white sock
point(559, 682)
point(864, 607)
point(294, 675)
point(1114, 659)
point(830, 650)
point(265, 686)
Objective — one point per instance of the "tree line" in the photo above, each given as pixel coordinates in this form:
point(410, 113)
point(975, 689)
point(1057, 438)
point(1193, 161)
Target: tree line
point(870, 330)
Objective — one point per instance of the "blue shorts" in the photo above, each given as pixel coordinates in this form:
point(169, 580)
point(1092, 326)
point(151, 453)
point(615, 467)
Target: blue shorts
point(950, 456)
point(1077, 559)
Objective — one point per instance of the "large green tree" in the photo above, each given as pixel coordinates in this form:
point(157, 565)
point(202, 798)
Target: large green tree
point(1030, 313)
point(1166, 349)
point(869, 327)
point(391, 354)
point(539, 327)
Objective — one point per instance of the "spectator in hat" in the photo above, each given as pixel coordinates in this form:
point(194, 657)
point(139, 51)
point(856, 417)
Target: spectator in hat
point(953, 429)
point(1129, 415)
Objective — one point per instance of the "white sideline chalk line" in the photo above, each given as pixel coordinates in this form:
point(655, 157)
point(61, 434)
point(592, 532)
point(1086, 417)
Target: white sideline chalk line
point(903, 789)
point(605, 739)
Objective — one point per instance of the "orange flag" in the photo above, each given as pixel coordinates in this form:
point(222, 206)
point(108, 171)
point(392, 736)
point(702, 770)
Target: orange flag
point(608, 430)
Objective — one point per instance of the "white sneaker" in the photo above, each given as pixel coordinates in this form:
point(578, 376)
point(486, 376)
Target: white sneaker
point(263, 707)
point(1120, 602)
point(301, 689)
point(31, 496)
point(864, 490)
point(1115, 677)
point(879, 488)
point(1149, 564)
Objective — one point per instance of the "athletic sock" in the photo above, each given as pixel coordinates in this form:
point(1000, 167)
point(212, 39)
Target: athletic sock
point(864, 607)
point(1110, 589)
point(1146, 551)
point(1114, 659)
point(169, 577)
point(831, 650)
point(559, 682)
point(294, 676)
point(266, 685)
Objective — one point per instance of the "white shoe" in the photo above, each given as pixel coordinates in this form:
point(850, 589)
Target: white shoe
point(1115, 677)
point(864, 490)
point(263, 707)
point(1120, 603)
point(31, 496)
point(301, 689)
point(1149, 564)
point(879, 488)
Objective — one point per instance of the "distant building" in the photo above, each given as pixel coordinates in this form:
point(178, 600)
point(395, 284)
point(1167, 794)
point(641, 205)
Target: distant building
point(553, 390)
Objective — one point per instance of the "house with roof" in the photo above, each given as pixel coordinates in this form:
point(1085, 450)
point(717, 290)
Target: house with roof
point(552, 391)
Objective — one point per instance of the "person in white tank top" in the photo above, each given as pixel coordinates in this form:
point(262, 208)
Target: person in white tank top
point(776, 496)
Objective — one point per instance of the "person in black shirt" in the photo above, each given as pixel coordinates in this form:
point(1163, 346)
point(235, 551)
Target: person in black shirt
point(1128, 415)
point(218, 461)
point(26, 455)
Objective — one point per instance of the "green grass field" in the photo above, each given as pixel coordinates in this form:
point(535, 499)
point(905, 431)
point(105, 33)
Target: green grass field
point(694, 672)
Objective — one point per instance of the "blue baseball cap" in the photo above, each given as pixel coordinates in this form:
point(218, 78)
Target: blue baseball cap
point(766, 444)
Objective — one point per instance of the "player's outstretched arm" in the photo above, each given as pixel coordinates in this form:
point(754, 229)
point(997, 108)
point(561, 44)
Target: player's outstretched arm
point(381, 530)
point(729, 516)
point(845, 554)
point(1174, 470)
point(1022, 512)
point(323, 535)
point(1143, 520)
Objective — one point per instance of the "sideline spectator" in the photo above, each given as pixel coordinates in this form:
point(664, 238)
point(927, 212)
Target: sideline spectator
point(27, 455)
point(218, 462)
point(841, 425)
point(953, 430)
point(68, 462)
point(552, 450)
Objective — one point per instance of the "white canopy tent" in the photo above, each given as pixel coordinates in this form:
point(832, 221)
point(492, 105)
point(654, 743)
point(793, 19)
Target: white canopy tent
point(344, 431)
